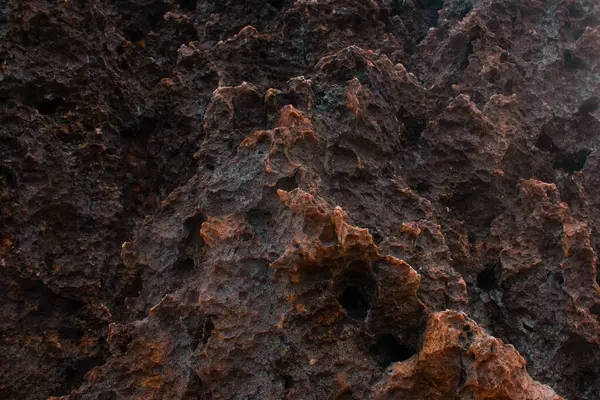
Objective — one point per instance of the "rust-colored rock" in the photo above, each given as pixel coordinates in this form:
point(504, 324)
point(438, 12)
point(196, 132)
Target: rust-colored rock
point(458, 358)
point(312, 199)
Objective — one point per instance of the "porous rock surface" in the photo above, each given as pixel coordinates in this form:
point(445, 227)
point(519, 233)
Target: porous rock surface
point(310, 199)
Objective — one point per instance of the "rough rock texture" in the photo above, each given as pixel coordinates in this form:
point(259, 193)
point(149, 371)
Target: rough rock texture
point(310, 199)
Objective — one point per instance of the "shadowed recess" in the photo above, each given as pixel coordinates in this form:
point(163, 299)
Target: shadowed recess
point(388, 350)
point(357, 290)
point(572, 162)
point(486, 279)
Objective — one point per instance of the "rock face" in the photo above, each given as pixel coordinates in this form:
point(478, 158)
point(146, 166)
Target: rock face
point(310, 199)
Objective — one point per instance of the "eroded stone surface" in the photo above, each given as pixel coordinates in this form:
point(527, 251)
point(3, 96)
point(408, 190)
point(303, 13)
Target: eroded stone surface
point(299, 199)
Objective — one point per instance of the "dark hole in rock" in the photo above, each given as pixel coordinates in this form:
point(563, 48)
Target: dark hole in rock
point(589, 106)
point(132, 289)
point(377, 238)
point(545, 143)
point(70, 331)
point(49, 106)
point(49, 303)
point(128, 133)
point(384, 16)
point(77, 372)
point(186, 264)
point(155, 17)
point(572, 61)
point(123, 64)
point(288, 382)
point(572, 162)
point(287, 183)
point(120, 50)
point(346, 396)
point(210, 167)
point(25, 39)
point(278, 4)
point(414, 126)
point(355, 303)
point(187, 4)
point(247, 237)
point(7, 177)
point(422, 187)
point(387, 350)
point(595, 309)
point(357, 290)
point(192, 227)
point(486, 279)
point(136, 286)
point(465, 63)
point(133, 35)
point(124, 343)
point(209, 326)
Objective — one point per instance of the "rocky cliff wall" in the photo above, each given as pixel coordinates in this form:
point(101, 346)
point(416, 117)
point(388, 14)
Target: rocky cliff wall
point(311, 199)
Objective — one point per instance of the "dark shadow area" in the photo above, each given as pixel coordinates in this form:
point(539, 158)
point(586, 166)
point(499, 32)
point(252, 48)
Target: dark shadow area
point(589, 106)
point(278, 4)
point(133, 35)
point(465, 62)
point(75, 374)
point(387, 350)
point(571, 162)
point(192, 227)
point(573, 62)
point(487, 280)
point(50, 106)
point(357, 290)
point(355, 303)
point(132, 289)
point(189, 5)
point(414, 126)
point(288, 382)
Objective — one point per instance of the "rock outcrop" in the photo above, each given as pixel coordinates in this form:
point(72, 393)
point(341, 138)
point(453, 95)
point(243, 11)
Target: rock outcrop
point(310, 199)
